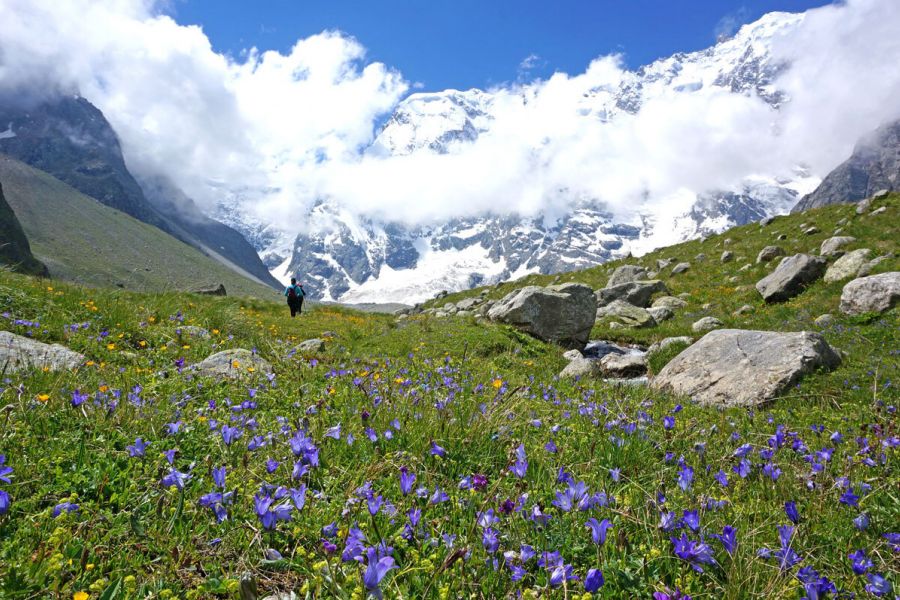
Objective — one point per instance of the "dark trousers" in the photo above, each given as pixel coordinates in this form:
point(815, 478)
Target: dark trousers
point(295, 306)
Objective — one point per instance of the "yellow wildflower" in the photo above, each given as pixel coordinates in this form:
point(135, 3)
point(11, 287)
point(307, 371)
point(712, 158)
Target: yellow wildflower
point(80, 596)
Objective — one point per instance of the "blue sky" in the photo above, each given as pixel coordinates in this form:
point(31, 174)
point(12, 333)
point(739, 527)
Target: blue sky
point(477, 43)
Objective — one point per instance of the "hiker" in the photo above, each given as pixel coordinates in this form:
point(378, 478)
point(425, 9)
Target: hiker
point(294, 294)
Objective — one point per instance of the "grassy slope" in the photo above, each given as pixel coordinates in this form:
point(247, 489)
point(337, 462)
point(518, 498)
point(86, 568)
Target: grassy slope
point(478, 390)
point(81, 240)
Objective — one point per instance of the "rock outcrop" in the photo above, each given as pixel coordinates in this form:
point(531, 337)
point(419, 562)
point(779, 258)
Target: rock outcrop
point(873, 166)
point(736, 367)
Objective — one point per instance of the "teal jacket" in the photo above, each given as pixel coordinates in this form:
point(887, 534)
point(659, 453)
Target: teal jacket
point(297, 289)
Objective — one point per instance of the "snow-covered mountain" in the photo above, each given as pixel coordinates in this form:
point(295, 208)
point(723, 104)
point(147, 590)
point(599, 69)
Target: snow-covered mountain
point(354, 259)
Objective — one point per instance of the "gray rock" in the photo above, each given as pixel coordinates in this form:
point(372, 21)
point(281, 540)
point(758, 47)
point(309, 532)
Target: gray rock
point(791, 277)
point(700, 257)
point(626, 314)
point(572, 354)
point(811, 230)
point(211, 290)
point(669, 341)
point(880, 194)
point(670, 302)
point(662, 263)
point(232, 364)
point(832, 246)
point(766, 221)
point(582, 368)
point(562, 314)
point(680, 268)
point(875, 293)
point(637, 293)
point(825, 320)
point(624, 365)
point(781, 237)
point(864, 206)
point(727, 256)
point(467, 303)
point(705, 324)
point(19, 353)
point(878, 211)
point(735, 367)
point(768, 253)
point(660, 313)
point(745, 309)
point(848, 265)
point(311, 346)
point(626, 274)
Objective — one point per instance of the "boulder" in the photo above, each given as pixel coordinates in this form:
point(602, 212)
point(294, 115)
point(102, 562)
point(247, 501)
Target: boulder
point(232, 364)
point(878, 211)
point(847, 266)
point(660, 313)
point(743, 310)
point(563, 314)
point(768, 253)
point(791, 277)
point(811, 230)
point(311, 346)
point(680, 268)
point(662, 263)
point(467, 303)
point(735, 367)
point(637, 293)
point(581, 368)
point(669, 341)
point(627, 314)
point(626, 274)
point(881, 194)
point(863, 206)
point(875, 293)
point(670, 302)
point(766, 221)
point(624, 365)
point(727, 256)
point(19, 353)
point(705, 324)
point(832, 246)
point(211, 290)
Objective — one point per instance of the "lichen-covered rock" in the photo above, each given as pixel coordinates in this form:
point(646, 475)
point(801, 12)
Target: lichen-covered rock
point(669, 341)
point(833, 245)
point(660, 313)
point(875, 293)
point(18, 353)
point(626, 274)
point(705, 324)
point(311, 346)
point(736, 367)
point(769, 253)
point(626, 314)
point(791, 277)
point(232, 364)
point(670, 302)
point(637, 293)
point(563, 314)
point(847, 266)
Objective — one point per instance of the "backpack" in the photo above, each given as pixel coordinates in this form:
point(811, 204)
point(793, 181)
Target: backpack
point(292, 293)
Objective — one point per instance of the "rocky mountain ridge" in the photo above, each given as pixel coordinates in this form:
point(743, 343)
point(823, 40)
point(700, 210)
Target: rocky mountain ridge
point(69, 138)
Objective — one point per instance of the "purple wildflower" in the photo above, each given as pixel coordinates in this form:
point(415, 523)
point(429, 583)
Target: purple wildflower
point(593, 581)
point(598, 530)
point(696, 553)
point(376, 569)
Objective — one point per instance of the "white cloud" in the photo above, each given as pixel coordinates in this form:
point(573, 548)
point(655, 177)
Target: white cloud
point(280, 131)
